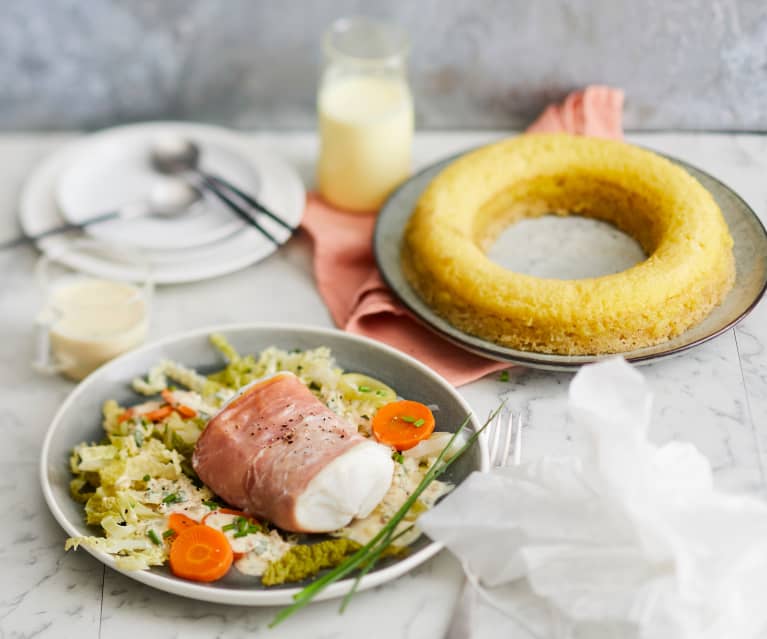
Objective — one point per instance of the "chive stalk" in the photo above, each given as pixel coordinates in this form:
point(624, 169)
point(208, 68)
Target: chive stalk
point(368, 567)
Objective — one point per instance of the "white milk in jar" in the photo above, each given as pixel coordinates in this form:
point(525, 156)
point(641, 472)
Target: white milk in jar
point(365, 112)
point(366, 136)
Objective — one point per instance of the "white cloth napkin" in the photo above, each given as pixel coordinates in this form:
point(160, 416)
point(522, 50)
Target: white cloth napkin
point(631, 540)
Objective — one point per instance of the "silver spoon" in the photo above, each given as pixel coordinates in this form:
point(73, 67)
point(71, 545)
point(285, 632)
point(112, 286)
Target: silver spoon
point(168, 197)
point(173, 154)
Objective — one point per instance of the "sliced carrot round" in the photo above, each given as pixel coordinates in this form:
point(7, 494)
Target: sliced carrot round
point(200, 553)
point(178, 522)
point(403, 424)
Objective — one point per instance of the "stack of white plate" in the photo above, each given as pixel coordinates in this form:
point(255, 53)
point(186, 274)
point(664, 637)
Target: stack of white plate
point(108, 170)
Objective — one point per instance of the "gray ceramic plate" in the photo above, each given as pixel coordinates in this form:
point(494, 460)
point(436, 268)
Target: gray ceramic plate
point(750, 251)
point(78, 420)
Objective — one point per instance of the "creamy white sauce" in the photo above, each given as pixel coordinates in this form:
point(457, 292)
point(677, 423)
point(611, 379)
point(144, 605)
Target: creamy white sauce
point(267, 548)
point(94, 321)
point(257, 549)
point(405, 480)
point(191, 498)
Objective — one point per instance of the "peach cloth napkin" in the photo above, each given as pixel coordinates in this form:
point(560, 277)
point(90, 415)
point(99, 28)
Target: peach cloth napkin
point(353, 290)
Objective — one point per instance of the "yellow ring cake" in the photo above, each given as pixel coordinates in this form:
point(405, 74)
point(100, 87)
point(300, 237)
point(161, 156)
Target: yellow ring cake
point(688, 271)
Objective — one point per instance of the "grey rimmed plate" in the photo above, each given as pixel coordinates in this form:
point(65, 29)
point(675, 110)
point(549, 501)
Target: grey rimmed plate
point(750, 251)
point(79, 419)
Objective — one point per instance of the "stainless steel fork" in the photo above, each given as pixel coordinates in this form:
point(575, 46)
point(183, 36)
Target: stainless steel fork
point(504, 444)
point(504, 439)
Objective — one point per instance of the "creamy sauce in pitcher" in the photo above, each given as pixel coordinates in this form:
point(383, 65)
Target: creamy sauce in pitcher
point(93, 321)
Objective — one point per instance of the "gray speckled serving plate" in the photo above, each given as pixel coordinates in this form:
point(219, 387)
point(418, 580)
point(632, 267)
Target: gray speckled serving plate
point(750, 250)
point(79, 419)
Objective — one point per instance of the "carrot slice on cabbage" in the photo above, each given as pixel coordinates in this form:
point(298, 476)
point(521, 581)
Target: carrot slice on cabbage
point(159, 414)
point(403, 424)
point(200, 553)
point(178, 522)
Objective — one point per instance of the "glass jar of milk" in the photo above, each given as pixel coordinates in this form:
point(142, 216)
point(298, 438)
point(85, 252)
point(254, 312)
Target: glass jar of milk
point(365, 114)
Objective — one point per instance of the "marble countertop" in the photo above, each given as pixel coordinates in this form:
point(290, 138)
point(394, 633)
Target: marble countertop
point(714, 396)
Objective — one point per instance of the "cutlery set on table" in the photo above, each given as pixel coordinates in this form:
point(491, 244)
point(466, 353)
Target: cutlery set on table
point(196, 201)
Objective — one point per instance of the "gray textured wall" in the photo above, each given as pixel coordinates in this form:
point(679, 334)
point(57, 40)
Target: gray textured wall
point(689, 64)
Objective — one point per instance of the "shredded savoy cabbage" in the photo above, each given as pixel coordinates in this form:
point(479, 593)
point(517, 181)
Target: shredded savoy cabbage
point(130, 481)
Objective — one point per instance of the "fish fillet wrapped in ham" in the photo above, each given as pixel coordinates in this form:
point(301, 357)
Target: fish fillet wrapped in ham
point(277, 452)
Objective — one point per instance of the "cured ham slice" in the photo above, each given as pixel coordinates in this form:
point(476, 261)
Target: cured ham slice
point(275, 451)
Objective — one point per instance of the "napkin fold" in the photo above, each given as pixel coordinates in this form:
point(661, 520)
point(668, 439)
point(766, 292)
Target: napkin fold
point(352, 288)
point(627, 540)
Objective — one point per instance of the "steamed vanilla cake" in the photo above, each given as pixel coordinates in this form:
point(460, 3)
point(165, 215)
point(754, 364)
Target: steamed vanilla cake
point(688, 271)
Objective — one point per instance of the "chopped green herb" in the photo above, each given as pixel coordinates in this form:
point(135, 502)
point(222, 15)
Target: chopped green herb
point(211, 504)
point(173, 498)
point(249, 530)
point(228, 527)
point(504, 376)
point(168, 533)
point(244, 527)
point(381, 393)
point(398, 457)
point(153, 536)
point(418, 423)
point(408, 418)
point(364, 389)
point(146, 478)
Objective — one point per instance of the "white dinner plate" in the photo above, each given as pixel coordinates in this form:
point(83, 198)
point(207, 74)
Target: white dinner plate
point(112, 170)
point(281, 189)
point(79, 419)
